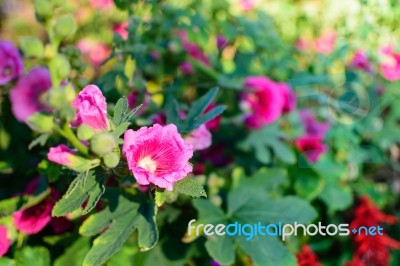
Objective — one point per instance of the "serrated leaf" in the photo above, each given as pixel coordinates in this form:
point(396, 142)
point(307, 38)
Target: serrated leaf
point(42, 139)
point(121, 129)
point(119, 110)
point(83, 187)
point(160, 197)
point(124, 214)
point(191, 187)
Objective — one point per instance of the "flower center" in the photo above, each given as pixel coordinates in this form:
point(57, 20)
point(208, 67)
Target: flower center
point(148, 164)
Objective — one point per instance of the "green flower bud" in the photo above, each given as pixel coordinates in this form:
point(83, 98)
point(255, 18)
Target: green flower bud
point(102, 143)
point(41, 123)
point(85, 132)
point(111, 160)
point(65, 26)
point(61, 97)
point(43, 8)
point(59, 67)
point(32, 47)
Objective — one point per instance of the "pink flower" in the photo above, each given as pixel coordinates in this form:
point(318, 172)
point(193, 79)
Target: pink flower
point(25, 96)
point(303, 45)
point(94, 51)
point(60, 154)
point(33, 219)
point(102, 4)
point(193, 50)
point(157, 155)
point(91, 108)
point(390, 67)
point(264, 101)
point(325, 44)
point(360, 61)
point(121, 29)
point(247, 5)
point(311, 146)
point(186, 68)
point(289, 96)
point(311, 125)
point(200, 138)
point(5, 241)
point(11, 65)
point(221, 41)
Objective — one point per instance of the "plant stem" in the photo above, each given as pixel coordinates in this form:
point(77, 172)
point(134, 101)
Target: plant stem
point(67, 133)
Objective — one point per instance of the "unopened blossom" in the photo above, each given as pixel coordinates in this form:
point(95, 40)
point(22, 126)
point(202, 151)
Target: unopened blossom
point(5, 241)
point(371, 249)
point(91, 108)
point(200, 138)
point(62, 155)
point(94, 51)
point(26, 96)
point(122, 29)
point(360, 61)
point(11, 64)
point(306, 257)
point(311, 147)
point(325, 44)
point(263, 101)
point(390, 66)
point(157, 155)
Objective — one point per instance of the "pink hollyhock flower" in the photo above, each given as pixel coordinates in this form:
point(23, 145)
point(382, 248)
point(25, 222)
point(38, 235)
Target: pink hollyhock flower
point(94, 51)
point(289, 97)
point(325, 44)
point(102, 4)
point(312, 147)
point(263, 99)
point(91, 108)
point(360, 61)
point(25, 96)
point(121, 29)
point(5, 241)
point(33, 219)
point(11, 65)
point(311, 125)
point(200, 138)
point(157, 155)
point(390, 67)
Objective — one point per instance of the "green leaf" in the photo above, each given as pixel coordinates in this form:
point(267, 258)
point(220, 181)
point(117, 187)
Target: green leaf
point(119, 110)
point(4, 261)
point(75, 254)
point(216, 111)
point(42, 139)
point(39, 255)
point(121, 129)
point(191, 187)
point(309, 186)
point(86, 186)
point(221, 248)
point(160, 197)
point(124, 214)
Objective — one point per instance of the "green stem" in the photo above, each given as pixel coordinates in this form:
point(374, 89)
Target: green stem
point(67, 133)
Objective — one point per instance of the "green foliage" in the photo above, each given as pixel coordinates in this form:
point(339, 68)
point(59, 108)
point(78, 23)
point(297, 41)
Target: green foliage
point(39, 255)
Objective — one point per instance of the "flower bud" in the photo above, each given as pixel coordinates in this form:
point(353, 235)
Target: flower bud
point(60, 67)
point(61, 97)
point(62, 155)
point(43, 8)
point(65, 26)
point(111, 160)
point(32, 47)
point(85, 132)
point(102, 143)
point(41, 123)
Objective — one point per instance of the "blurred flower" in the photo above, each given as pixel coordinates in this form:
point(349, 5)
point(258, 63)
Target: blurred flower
point(221, 41)
point(390, 67)
point(311, 125)
point(200, 138)
point(62, 155)
point(289, 96)
point(5, 241)
point(11, 64)
point(157, 155)
point(94, 51)
point(263, 100)
point(121, 29)
point(303, 45)
point(102, 4)
point(371, 250)
point(134, 100)
point(247, 5)
point(193, 50)
point(91, 108)
point(312, 147)
point(33, 219)
point(60, 225)
point(325, 44)
point(186, 68)
point(360, 61)
point(306, 257)
point(25, 97)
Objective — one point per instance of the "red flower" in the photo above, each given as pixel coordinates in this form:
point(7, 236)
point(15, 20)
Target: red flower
point(371, 250)
point(306, 257)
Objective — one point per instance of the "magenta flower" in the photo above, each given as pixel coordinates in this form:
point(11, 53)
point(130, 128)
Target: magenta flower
point(289, 96)
point(91, 108)
point(11, 65)
point(93, 51)
point(360, 61)
point(186, 68)
point(311, 147)
point(193, 50)
point(121, 29)
point(200, 138)
point(221, 41)
point(157, 155)
point(25, 97)
point(102, 4)
point(312, 127)
point(247, 5)
point(390, 67)
point(5, 241)
point(325, 44)
point(263, 100)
